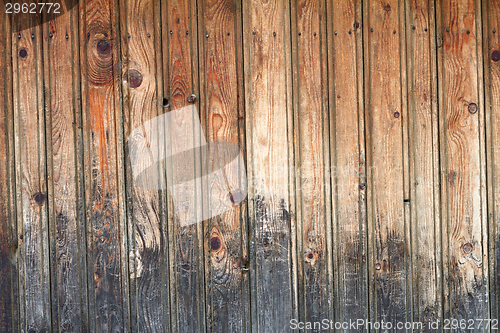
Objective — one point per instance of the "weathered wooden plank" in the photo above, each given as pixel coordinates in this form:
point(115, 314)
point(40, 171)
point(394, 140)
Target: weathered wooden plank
point(348, 164)
point(220, 81)
point(311, 133)
point(491, 34)
point(424, 154)
point(34, 280)
point(462, 162)
point(387, 263)
point(142, 89)
point(185, 241)
point(68, 252)
point(8, 234)
point(270, 156)
point(107, 273)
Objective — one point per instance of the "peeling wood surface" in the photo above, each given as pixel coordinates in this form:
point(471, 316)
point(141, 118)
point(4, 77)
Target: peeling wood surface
point(370, 135)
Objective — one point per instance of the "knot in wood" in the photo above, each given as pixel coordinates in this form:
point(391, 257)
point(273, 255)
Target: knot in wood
point(467, 248)
point(472, 108)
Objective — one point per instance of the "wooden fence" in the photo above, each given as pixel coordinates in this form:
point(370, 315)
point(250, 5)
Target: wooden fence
point(371, 136)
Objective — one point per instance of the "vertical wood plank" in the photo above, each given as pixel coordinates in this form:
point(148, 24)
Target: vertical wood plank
point(270, 157)
point(491, 48)
point(8, 234)
point(388, 261)
point(108, 273)
point(186, 242)
point(312, 156)
point(69, 288)
point(142, 92)
point(348, 162)
point(424, 154)
point(225, 236)
point(34, 291)
point(462, 161)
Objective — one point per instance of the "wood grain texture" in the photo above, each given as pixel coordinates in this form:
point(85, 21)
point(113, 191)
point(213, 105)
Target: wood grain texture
point(348, 162)
point(8, 234)
point(461, 161)
point(386, 222)
point(491, 54)
point(140, 56)
point(270, 162)
point(424, 163)
point(186, 243)
point(107, 276)
point(68, 251)
point(30, 152)
point(220, 80)
point(311, 155)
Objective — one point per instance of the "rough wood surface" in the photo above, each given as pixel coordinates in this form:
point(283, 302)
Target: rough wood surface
point(108, 294)
point(424, 163)
point(140, 56)
point(32, 224)
point(461, 162)
point(311, 157)
point(269, 140)
point(491, 35)
point(68, 252)
point(348, 170)
point(8, 234)
point(185, 242)
point(221, 79)
point(387, 261)
point(371, 143)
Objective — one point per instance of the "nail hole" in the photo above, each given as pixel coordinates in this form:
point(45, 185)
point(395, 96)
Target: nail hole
point(396, 114)
point(378, 266)
point(166, 103)
point(387, 7)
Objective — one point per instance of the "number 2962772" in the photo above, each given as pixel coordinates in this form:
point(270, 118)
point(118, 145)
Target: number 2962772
point(33, 8)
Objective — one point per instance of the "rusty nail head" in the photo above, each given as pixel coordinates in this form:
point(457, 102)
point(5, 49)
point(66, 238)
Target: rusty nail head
point(425, 29)
point(378, 266)
point(149, 35)
point(371, 30)
point(387, 7)
point(21, 236)
point(472, 108)
point(23, 53)
point(191, 98)
point(362, 186)
point(356, 25)
point(350, 32)
point(468, 32)
point(467, 247)
point(396, 114)
point(413, 27)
